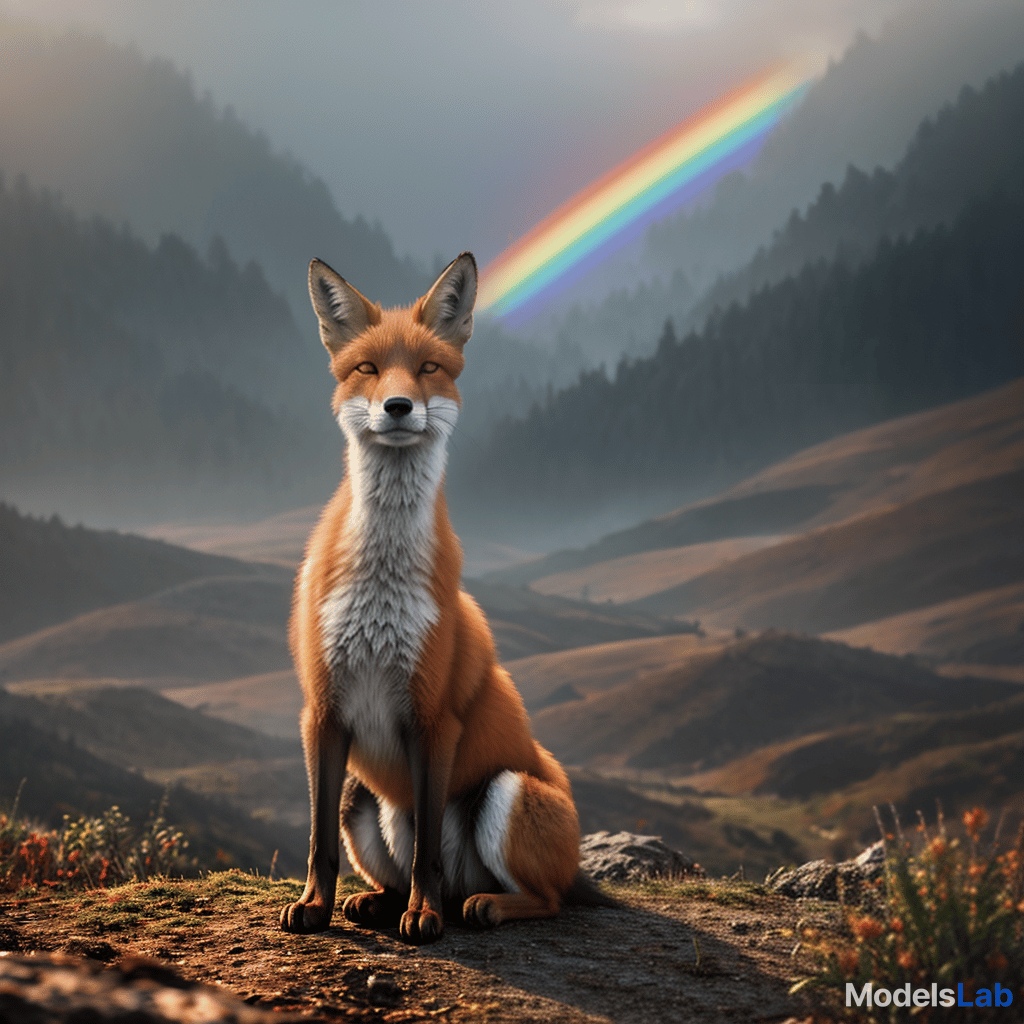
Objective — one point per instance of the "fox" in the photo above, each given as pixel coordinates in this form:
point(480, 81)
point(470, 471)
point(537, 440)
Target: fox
point(418, 747)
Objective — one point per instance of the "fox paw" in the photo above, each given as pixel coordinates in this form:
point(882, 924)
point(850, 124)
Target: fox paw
point(481, 911)
point(305, 917)
point(381, 909)
point(419, 927)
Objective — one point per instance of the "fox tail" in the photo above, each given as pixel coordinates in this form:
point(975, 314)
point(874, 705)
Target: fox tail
point(585, 892)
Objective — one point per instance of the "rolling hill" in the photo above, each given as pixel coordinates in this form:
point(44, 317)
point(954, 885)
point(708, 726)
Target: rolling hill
point(984, 628)
point(694, 713)
point(211, 629)
point(779, 739)
point(872, 470)
point(53, 572)
point(945, 545)
point(752, 750)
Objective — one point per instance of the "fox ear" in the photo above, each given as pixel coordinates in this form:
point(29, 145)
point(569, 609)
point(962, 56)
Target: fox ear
point(447, 309)
point(343, 312)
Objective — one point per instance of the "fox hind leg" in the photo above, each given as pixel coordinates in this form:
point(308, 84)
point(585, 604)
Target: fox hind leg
point(528, 836)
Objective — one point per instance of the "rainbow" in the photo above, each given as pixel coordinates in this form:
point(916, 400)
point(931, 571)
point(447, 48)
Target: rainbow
point(645, 187)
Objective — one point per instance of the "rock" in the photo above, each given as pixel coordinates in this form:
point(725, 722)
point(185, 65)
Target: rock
point(825, 881)
point(625, 857)
point(54, 989)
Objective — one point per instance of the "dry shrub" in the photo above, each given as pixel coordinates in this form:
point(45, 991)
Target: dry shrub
point(949, 914)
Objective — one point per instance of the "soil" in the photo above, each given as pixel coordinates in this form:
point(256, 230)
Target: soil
point(693, 951)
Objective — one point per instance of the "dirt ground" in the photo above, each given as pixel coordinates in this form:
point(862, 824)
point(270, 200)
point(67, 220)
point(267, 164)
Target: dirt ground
point(702, 952)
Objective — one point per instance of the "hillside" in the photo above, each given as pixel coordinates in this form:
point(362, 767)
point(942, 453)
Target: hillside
point(525, 622)
point(216, 628)
point(968, 151)
point(62, 777)
point(768, 747)
point(124, 394)
point(53, 572)
point(946, 545)
point(983, 628)
point(127, 138)
point(140, 730)
point(872, 470)
point(925, 321)
point(698, 712)
point(161, 743)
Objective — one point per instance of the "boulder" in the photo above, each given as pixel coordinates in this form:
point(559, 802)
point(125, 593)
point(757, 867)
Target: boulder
point(626, 857)
point(61, 989)
point(826, 881)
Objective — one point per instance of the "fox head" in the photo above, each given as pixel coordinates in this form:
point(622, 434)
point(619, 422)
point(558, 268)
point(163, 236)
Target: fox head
point(396, 368)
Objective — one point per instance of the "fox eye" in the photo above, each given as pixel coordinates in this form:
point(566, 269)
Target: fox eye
point(367, 368)
point(429, 367)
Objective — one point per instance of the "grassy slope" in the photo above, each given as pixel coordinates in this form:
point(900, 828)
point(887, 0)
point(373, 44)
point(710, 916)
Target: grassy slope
point(944, 545)
point(875, 468)
point(728, 701)
point(52, 572)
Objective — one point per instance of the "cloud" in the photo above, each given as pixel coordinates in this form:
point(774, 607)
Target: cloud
point(652, 16)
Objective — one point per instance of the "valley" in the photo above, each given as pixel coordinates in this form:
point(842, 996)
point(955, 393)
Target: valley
point(746, 677)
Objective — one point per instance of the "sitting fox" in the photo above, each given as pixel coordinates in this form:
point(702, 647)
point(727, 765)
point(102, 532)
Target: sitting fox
point(409, 722)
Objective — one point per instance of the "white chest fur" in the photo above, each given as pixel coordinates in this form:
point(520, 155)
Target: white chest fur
point(376, 620)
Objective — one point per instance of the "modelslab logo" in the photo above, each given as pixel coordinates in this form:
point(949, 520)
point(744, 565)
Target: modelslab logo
point(934, 996)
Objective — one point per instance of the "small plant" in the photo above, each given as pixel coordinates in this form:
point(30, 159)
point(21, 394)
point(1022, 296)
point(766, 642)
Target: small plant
point(89, 852)
point(950, 920)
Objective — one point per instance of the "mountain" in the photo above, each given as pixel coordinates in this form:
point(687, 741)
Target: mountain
point(862, 111)
point(925, 320)
point(146, 381)
point(970, 150)
point(126, 137)
point(963, 147)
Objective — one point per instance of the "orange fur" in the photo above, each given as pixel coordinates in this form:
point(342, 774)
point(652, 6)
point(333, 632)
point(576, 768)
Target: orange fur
point(468, 723)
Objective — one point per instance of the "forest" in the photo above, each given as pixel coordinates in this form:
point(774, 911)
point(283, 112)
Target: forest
point(174, 382)
point(969, 150)
point(927, 319)
point(146, 380)
point(182, 164)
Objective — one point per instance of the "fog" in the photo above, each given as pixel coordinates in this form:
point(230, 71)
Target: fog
point(385, 139)
point(462, 126)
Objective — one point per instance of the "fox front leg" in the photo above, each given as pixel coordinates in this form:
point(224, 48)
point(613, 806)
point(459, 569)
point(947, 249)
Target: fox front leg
point(326, 747)
point(423, 921)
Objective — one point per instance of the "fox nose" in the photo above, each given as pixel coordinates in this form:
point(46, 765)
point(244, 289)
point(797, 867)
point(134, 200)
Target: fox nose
point(398, 407)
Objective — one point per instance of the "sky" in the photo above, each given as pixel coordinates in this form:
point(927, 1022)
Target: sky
point(463, 124)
